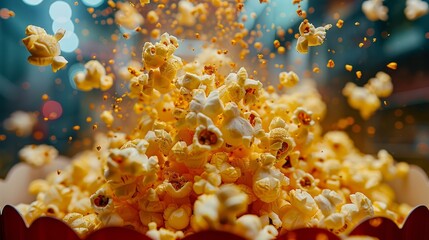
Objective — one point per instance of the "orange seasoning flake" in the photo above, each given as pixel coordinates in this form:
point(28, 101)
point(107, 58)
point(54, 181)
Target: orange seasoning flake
point(331, 64)
point(392, 65)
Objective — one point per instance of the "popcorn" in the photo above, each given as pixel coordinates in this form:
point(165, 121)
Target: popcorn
point(208, 145)
point(177, 217)
point(107, 118)
point(310, 36)
point(362, 99)
point(188, 13)
point(38, 155)
point(94, 76)
point(366, 99)
point(381, 85)
point(268, 181)
point(235, 129)
point(127, 16)
point(415, 9)
point(374, 10)
point(288, 79)
point(22, 123)
point(44, 48)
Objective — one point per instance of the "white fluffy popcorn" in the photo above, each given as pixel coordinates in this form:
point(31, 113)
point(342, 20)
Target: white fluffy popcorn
point(127, 16)
point(38, 155)
point(94, 76)
point(20, 122)
point(375, 10)
point(415, 9)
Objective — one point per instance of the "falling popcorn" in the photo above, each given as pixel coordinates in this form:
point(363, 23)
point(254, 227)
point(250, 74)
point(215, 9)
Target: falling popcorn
point(127, 16)
point(374, 10)
point(188, 13)
point(20, 122)
point(38, 155)
point(94, 76)
point(209, 148)
point(44, 48)
point(366, 98)
point(310, 36)
point(415, 9)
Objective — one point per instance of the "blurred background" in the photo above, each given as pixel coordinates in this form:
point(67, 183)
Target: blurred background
point(401, 126)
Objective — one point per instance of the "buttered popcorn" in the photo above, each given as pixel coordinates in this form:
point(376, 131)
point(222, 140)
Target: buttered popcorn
point(223, 155)
point(415, 9)
point(310, 36)
point(94, 76)
point(374, 10)
point(44, 48)
point(366, 98)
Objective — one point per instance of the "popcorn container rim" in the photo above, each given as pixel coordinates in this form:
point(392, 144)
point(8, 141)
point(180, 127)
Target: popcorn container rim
point(414, 190)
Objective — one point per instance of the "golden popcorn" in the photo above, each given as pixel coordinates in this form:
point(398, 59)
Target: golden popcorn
point(94, 76)
point(213, 150)
point(188, 13)
point(288, 79)
point(44, 48)
point(310, 36)
point(415, 9)
point(127, 16)
point(374, 10)
point(21, 123)
point(38, 155)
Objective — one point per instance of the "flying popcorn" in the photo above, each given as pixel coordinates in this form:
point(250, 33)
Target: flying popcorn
point(38, 155)
point(310, 36)
point(374, 10)
point(366, 98)
point(188, 13)
point(44, 48)
point(22, 123)
point(127, 16)
point(220, 152)
point(94, 76)
point(415, 9)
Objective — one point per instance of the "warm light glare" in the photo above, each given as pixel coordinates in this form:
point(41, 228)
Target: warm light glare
point(52, 110)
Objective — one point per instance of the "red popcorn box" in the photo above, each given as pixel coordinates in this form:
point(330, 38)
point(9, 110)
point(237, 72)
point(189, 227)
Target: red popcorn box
point(413, 190)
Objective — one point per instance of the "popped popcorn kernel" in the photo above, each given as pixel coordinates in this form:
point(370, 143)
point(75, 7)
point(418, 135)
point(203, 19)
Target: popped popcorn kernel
point(94, 76)
point(44, 48)
point(310, 36)
point(127, 16)
point(38, 155)
point(21, 123)
point(107, 117)
point(375, 10)
point(288, 79)
point(415, 9)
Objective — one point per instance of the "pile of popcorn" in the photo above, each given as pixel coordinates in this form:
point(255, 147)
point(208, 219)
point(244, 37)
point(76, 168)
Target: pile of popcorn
point(218, 152)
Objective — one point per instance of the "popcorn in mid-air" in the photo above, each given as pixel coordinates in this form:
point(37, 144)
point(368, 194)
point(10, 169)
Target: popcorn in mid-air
point(310, 36)
point(94, 76)
point(38, 155)
point(44, 48)
point(366, 98)
point(127, 16)
point(374, 10)
point(20, 122)
point(415, 9)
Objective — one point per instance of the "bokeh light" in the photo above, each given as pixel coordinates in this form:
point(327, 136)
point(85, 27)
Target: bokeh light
point(65, 24)
point(60, 9)
point(69, 43)
point(92, 3)
point(32, 2)
point(52, 110)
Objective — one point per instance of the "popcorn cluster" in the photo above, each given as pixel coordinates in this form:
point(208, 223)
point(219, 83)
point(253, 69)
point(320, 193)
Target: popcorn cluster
point(366, 98)
point(222, 153)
